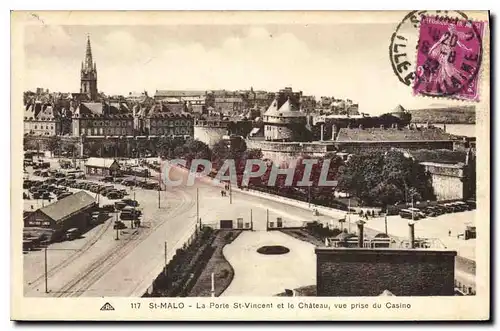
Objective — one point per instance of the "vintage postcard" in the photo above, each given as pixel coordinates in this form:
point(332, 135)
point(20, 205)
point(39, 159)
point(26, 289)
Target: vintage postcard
point(250, 165)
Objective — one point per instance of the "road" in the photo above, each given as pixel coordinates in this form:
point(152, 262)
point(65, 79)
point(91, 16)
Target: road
point(99, 265)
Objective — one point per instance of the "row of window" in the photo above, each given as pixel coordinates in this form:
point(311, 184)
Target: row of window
point(42, 128)
point(176, 130)
point(106, 123)
point(171, 123)
point(102, 131)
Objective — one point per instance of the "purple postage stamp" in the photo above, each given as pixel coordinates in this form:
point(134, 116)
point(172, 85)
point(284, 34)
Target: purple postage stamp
point(448, 58)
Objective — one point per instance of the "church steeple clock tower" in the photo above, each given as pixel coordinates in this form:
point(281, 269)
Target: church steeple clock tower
point(88, 77)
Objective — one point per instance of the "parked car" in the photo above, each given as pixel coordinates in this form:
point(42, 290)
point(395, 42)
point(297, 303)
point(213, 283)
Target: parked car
point(107, 179)
point(104, 188)
point(108, 208)
point(131, 202)
point(113, 195)
point(119, 205)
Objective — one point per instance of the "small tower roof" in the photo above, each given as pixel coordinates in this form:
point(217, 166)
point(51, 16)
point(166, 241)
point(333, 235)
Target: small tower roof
point(273, 109)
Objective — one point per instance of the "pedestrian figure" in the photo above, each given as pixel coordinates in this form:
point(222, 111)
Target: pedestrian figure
point(449, 233)
point(221, 193)
point(366, 216)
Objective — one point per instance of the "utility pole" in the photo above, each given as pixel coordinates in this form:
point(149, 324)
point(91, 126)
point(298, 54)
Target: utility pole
point(213, 285)
point(385, 220)
point(197, 205)
point(166, 261)
point(46, 280)
point(116, 224)
point(349, 215)
point(267, 218)
point(309, 196)
point(159, 188)
point(230, 193)
point(412, 211)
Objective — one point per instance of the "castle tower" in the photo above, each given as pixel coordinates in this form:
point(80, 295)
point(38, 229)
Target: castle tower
point(88, 78)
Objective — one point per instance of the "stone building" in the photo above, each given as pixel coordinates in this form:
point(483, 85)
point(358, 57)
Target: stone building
point(159, 120)
point(41, 120)
point(102, 119)
point(284, 122)
point(370, 270)
point(211, 130)
point(228, 105)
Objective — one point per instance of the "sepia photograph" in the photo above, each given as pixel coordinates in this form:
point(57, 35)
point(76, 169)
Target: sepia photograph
point(259, 163)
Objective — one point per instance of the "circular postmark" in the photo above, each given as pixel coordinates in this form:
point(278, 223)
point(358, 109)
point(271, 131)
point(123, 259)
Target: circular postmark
point(438, 53)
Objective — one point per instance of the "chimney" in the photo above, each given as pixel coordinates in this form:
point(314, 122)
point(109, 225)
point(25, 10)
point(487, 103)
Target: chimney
point(361, 235)
point(334, 132)
point(411, 228)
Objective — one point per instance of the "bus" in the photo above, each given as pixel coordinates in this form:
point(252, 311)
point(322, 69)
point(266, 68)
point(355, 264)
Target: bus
point(409, 214)
point(72, 234)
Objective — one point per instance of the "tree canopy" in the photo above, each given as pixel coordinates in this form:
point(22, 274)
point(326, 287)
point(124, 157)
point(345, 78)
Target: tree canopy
point(385, 178)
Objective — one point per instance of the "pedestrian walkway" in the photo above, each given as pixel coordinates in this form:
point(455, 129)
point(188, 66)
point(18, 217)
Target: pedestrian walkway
point(256, 274)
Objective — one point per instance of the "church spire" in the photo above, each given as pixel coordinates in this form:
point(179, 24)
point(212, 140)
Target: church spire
point(88, 56)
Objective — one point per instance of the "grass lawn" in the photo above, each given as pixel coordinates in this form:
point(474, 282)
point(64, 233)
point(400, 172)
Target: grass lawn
point(223, 272)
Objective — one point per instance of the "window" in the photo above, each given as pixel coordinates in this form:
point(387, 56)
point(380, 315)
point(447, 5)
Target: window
point(124, 123)
point(117, 123)
point(153, 123)
point(36, 127)
point(124, 132)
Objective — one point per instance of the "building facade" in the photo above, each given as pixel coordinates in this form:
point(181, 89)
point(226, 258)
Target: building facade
point(102, 119)
point(41, 120)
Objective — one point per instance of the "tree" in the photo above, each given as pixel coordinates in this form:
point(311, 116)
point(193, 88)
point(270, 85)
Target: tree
point(54, 144)
point(385, 178)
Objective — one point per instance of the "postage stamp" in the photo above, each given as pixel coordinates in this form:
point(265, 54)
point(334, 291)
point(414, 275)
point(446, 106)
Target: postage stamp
point(448, 58)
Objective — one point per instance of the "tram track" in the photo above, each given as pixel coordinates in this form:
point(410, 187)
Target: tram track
point(70, 259)
point(102, 265)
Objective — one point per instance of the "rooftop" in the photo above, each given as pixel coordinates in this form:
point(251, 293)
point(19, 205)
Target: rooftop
point(99, 162)
point(61, 209)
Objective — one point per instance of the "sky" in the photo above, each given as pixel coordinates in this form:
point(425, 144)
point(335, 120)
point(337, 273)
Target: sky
point(349, 61)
